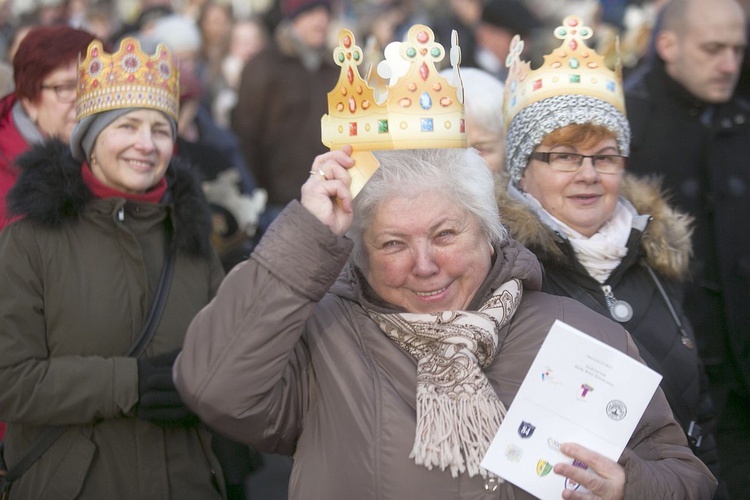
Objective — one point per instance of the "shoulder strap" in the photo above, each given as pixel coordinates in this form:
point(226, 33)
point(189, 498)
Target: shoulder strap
point(679, 406)
point(156, 309)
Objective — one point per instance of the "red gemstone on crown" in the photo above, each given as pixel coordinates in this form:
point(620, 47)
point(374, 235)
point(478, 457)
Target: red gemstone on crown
point(423, 37)
point(423, 71)
point(347, 41)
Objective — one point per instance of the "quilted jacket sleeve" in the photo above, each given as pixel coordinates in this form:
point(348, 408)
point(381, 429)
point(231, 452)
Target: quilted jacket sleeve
point(245, 367)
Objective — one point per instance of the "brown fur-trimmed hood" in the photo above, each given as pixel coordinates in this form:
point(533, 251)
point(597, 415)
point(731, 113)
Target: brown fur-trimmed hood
point(666, 241)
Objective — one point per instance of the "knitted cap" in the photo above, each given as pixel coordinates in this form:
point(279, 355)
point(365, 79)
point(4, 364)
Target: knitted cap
point(532, 124)
point(573, 86)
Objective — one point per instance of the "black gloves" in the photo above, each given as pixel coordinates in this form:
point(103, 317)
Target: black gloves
point(158, 400)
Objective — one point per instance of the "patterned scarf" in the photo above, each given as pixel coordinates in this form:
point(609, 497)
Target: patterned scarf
point(458, 412)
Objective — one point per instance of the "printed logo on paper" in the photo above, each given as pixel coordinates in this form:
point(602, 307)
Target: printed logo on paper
point(526, 430)
point(554, 444)
point(548, 376)
point(571, 485)
point(616, 410)
point(584, 391)
point(579, 464)
point(543, 468)
point(513, 453)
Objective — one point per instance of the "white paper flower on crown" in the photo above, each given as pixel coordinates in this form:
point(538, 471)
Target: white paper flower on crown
point(393, 66)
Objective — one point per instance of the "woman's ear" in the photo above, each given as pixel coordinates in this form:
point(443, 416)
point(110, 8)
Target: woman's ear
point(31, 109)
point(522, 181)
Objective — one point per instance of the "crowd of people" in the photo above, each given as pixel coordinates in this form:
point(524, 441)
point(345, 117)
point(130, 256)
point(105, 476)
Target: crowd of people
point(190, 288)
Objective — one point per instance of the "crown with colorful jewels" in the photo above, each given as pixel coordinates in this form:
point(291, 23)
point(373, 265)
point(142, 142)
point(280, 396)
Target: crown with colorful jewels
point(128, 78)
point(572, 68)
point(417, 109)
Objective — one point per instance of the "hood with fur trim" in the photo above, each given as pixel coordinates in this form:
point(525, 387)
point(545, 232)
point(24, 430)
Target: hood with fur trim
point(50, 191)
point(666, 241)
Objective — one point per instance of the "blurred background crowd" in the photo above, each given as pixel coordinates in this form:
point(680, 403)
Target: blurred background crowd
point(226, 33)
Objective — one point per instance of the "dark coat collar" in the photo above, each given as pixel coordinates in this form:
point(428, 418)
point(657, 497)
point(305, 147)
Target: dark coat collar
point(50, 191)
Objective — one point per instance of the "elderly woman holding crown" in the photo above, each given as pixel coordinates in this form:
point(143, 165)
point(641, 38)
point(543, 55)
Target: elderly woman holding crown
point(605, 238)
point(379, 339)
point(101, 276)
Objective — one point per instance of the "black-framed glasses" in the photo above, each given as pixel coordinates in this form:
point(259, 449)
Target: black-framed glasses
point(65, 92)
point(571, 162)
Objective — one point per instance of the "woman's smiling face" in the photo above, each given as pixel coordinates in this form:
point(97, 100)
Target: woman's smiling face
point(133, 152)
point(584, 199)
point(426, 254)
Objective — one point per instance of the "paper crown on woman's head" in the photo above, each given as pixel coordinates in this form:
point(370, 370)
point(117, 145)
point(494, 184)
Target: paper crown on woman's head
point(127, 78)
point(573, 86)
point(417, 109)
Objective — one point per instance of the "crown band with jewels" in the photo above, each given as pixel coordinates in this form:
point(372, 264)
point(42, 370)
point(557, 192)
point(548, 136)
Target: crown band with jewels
point(572, 68)
point(420, 109)
point(128, 78)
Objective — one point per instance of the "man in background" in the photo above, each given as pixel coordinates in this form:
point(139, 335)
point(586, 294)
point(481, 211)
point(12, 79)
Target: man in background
point(281, 97)
point(688, 128)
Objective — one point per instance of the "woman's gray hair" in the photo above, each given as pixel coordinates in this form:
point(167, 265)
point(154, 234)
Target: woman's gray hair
point(460, 174)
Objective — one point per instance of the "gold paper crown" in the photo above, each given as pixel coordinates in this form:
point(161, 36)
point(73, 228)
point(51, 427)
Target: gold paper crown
point(420, 108)
point(572, 68)
point(128, 78)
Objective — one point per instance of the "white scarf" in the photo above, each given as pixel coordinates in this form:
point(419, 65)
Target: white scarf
point(601, 253)
point(458, 412)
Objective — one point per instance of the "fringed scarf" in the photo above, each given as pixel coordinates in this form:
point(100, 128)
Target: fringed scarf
point(458, 412)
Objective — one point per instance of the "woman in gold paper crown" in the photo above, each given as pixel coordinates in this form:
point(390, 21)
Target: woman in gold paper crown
point(101, 276)
point(605, 238)
point(380, 340)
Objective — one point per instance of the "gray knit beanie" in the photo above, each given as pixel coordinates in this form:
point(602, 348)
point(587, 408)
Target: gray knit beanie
point(532, 124)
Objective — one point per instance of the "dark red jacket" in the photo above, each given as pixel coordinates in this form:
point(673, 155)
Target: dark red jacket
point(12, 144)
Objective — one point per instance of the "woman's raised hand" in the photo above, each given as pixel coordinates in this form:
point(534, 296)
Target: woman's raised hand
point(326, 193)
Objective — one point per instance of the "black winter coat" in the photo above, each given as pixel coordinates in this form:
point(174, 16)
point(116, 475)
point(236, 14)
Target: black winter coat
point(707, 168)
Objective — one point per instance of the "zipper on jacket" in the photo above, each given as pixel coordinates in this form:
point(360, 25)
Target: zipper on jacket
point(121, 214)
point(619, 309)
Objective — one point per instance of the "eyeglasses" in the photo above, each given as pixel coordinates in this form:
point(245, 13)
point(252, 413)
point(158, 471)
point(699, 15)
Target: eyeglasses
point(571, 162)
point(65, 92)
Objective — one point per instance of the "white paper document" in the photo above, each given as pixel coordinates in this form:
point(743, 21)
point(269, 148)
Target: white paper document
point(580, 390)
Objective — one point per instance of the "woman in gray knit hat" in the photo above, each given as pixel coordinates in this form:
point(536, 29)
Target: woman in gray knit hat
point(109, 223)
point(604, 237)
